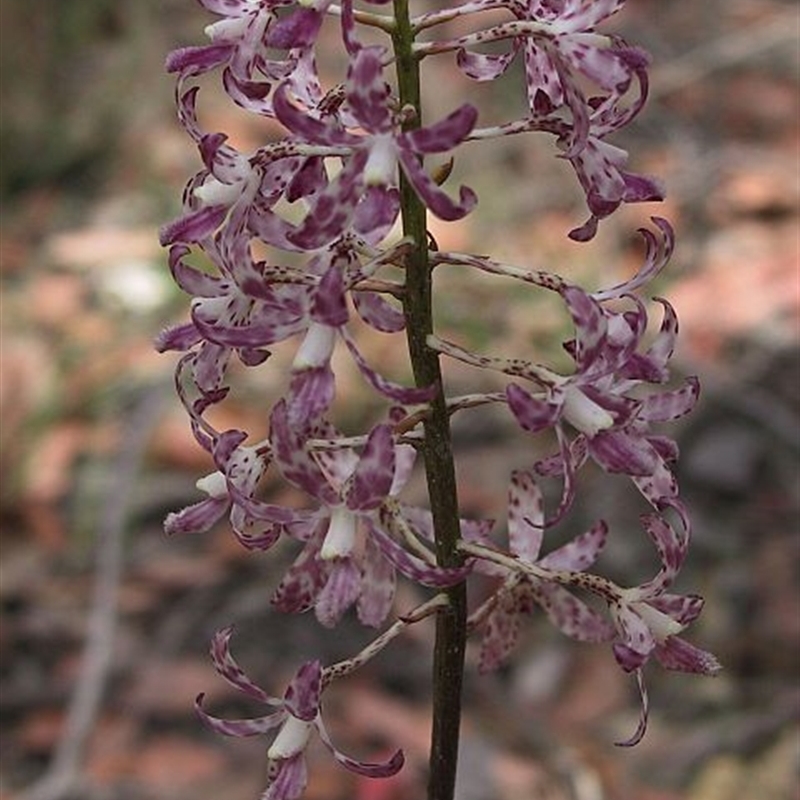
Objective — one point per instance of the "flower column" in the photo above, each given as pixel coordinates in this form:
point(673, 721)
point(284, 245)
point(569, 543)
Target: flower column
point(451, 623)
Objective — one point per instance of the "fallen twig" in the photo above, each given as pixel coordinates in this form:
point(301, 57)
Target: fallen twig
point(64, 776)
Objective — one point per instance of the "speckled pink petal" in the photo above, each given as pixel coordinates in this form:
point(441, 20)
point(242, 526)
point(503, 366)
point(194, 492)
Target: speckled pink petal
point(197, 60)
point(194, 226)
point(292, 458)
point(619, 451)
point(484, 66)
point(579, 553)
point(197, 518)
point(658, 253)
point(636, 640)
point(370, 483)
point(500, 633)
point(572, 616)
point(287, 778)
point(301, 584)
point(415, 568)
point(377, 587)
point(401, 394)
point(377, 312)
point(367, 92)
point(302, 696)
point(340, 591)
point(226, 666)
point(436, 199)
point(381, 769)
point(255, 726)
point(525, 516)
point(533, 414)
point(678, 654)
point(443, 135)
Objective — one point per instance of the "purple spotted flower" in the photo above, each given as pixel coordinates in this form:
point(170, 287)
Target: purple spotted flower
point(250, 306)
point(235, 311)
point(563, 54)
point(601, 170)
point(246, 43)
point(601, 402)
point(256, 524)
point(648, 619)
point(367, 183)
point(295, 716)
point(287, 244)
point(234, 192)
point(644, 622)
point(348, 556)
point(521, 592)
point(558, 41)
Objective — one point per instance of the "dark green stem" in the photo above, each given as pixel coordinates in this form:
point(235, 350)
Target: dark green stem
point(448, 663)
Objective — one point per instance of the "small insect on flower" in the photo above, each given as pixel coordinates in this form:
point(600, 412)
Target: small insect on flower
point(441, 173)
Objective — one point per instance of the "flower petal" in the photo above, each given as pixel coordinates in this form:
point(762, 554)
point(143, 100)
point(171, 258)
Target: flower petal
point(370, 483)
point(667, 406)
point(636, 639)
point(287, 778)
point(381, 769)
point(570, 615)
point(590, 325)
point(377, 312)
point(532, 414)
point(525, 516)
point(581, 552)
point(402, 394)
point(641, 728)
point(194, 226)
point(293, 459)
point(340, 591)
point(255, 726)
point(437, 200)
point(501, 631)
point(414, 568)
point(443, 135)
point(619, 451)
point(377, 587)
point(197, 518)
point(484, 66)
point(303, 581)
point(678, 654)
point(226, 666)
point(302, 696)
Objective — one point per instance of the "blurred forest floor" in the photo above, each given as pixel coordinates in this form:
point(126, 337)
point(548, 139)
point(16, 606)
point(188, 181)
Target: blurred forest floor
point(93, 440)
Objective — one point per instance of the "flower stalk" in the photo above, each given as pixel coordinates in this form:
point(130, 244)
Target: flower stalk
point(436, 447)
point(352, 167)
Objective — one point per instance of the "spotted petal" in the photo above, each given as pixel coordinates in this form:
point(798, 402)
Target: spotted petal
point(254, 726)
point(667, 406)
point(438, 201)
point(678, 654)
point(380, 769)
point(532, 414)
point(370, 484)
point(302, 697)
point(525, 516)
point(226, 666)
point(377, 587)
point(414, 568)
point(340, 591)
point(579, 553)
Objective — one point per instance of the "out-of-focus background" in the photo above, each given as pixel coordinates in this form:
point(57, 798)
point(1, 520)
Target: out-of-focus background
point(95, 449)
